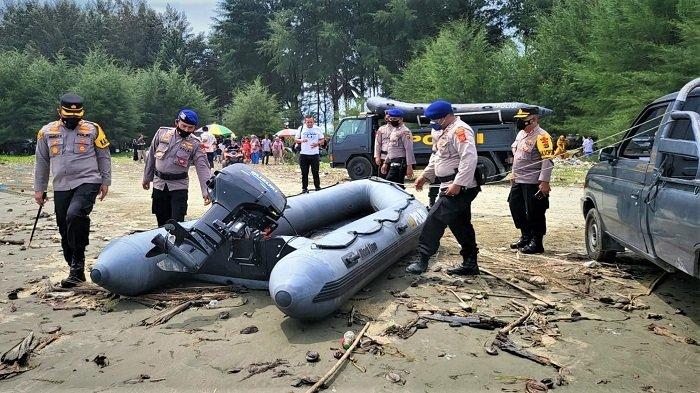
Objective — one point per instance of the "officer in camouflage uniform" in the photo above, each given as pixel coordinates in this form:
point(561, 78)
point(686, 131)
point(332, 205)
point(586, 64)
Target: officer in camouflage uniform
point(172, 152)
point(76, 152)
point(453, 164)
point(532, 170)
point(399, 159)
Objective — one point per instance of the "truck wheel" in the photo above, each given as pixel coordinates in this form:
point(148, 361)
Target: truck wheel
point(359, 168)
point(596, 238)
point(489, 168)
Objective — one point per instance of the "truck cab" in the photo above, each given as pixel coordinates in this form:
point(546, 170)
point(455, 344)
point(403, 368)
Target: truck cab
point(644, 195)
point(352, 144)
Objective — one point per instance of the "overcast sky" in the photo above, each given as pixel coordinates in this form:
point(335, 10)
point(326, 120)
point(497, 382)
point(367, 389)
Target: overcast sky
point(198, 12)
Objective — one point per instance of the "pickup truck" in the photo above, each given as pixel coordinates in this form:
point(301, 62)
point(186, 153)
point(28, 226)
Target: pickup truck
point(644, 195)
point(352, 143)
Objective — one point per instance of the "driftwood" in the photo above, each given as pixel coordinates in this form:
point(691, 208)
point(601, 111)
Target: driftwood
point(663, 331)
point(340, 362)
point(519, 288)
point(165, 315)
point(12, 241)
point(656, 283)
point(476, 320)
point(259, 368)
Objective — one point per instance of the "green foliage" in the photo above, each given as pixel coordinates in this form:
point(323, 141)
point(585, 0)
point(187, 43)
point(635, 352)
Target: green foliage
point(163, 93)
point(596, 63)
point(254, 110)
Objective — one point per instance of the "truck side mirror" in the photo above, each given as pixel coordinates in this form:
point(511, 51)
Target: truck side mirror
point(608, 154)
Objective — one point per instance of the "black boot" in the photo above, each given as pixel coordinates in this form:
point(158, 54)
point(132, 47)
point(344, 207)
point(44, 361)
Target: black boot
point(417, 267)
point(524, 240)
point(75, 277)
point(77, 270)
point(469, 267)
point(534, 247)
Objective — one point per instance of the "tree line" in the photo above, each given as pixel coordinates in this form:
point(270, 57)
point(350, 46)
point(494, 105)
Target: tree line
point(266, 62)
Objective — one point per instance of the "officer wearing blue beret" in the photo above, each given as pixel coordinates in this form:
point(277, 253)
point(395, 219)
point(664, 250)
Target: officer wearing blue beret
point(397, 140)
point(172, 152)
point(453, 164)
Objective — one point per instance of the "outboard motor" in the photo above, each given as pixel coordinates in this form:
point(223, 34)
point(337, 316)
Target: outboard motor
point(245, 205)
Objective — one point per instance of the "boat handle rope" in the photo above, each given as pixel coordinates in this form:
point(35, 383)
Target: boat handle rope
point(357, 234)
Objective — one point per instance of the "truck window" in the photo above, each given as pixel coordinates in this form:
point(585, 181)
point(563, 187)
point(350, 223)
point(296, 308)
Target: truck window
point(678, 166)
point(350, 127)
point(681, 128)
point(641, 139)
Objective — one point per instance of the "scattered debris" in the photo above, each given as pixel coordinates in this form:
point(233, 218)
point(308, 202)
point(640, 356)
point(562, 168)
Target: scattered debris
point(407, 330)
point(80, 313)
point(305, 380)
point(663, 331)
point(165, 315)
point(49, 329)
point(142, 378)
point(656, 282)
point(12, 295)
point(654, 316)
point(312, 356)
point(478, 321)
point(100, 360)
point(16, 360)
point(518, 287)
point(12, 242)
point(592, 264)
point(532, 386)
point(340, 362)
point(395, 378)
point(224, 315)
point(249, 330)
point(259, 368)
point(234, 370)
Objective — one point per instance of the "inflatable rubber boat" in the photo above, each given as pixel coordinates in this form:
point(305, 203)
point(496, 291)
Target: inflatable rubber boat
point(489, 113)
point(312, 251)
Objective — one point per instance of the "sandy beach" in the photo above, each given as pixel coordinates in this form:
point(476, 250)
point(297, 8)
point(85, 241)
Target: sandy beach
point(620, 346)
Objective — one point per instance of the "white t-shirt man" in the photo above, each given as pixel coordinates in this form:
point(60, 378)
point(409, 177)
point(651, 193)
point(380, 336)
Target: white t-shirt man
point(312, 136)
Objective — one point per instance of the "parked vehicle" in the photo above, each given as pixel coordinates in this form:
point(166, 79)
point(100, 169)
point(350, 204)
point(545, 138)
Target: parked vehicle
point(352, 143)
point(644, 195)
point(18, 146)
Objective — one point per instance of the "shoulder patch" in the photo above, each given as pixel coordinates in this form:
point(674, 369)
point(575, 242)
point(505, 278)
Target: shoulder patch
point(40, 135)
point(545, 146)
point(101, 140)
point(461, 134)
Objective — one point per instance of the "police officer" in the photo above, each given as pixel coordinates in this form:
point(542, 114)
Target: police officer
point(381, 144)
point(76, 152)
point(453, 164)
point(532, 170)
point(399, 160)
point(172, 152)
point(434, 187)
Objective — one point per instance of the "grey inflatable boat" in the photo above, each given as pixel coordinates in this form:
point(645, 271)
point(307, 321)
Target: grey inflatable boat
point(488, 113)
point(312, 251)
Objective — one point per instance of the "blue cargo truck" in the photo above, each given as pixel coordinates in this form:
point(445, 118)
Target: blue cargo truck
point(352, 143)
point(644, 195)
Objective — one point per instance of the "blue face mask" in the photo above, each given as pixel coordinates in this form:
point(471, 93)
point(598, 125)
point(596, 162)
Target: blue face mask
point(435, 126)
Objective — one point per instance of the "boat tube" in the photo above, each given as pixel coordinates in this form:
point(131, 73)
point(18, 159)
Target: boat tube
point(312, 251)
point(489, 113)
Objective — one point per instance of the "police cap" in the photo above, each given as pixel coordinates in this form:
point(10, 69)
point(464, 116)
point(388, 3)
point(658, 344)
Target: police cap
point(71, 105)
point(525, 112)
point(395, 112)
point(438, 109)
point(188, 116)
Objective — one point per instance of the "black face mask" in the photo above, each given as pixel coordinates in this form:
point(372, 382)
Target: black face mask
point(395, 123)
point(521, 124)
point(183, 134)
point(71, 122)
